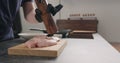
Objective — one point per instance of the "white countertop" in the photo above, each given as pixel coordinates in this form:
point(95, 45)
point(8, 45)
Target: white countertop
point(96, 50)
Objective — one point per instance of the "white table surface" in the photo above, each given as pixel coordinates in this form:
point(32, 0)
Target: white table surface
point(96, 50)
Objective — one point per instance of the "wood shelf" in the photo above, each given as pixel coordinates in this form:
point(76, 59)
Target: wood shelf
point(80, 28)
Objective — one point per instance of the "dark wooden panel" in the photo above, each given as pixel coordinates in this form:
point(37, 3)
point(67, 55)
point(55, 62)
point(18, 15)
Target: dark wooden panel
point(80, 28)
point(81, 35)
point(77, 24)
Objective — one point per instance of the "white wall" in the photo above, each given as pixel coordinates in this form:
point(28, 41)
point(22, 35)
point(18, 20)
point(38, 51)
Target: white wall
point(107, 12)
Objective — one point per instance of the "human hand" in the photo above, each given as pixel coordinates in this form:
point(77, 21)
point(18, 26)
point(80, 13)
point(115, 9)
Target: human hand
point(38, 15)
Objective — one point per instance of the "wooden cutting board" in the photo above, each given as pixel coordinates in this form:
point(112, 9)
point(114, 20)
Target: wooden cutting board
point(51, 51)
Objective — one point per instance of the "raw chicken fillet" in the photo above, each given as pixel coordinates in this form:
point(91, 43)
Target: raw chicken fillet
point(41, 41)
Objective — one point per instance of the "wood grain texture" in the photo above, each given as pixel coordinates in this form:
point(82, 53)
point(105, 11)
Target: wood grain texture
point(82, 31)
point(51, 51)
point(90, 25)
point(46, 17)
point(80, 28)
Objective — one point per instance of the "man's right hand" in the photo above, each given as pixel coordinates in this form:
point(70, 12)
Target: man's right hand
point(38, 15)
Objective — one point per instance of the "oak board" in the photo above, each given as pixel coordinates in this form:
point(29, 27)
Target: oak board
point(51, 51)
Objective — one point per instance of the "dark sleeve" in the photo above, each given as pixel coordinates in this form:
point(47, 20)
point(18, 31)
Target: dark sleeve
point(23, 1)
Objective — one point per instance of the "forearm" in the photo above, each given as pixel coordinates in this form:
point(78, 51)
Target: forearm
point(29, 12)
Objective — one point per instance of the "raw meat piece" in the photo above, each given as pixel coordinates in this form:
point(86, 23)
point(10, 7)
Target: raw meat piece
point(31, 44)
point(41, 41)
point(46, 43)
